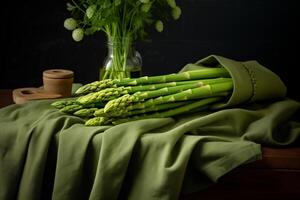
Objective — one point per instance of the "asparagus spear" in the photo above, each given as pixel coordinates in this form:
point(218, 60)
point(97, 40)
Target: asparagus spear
point(85, 112)
point(121, 105)
point(189, 75)
point(71, 106)
point(101, 113)
point(95, 86)
point(98, 121)
point(172, 112)
point(63, 103)
point(163, 89)
point(103, 95)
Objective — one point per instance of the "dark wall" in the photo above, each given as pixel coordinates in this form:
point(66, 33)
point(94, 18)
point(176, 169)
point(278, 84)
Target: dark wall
point(33, 39)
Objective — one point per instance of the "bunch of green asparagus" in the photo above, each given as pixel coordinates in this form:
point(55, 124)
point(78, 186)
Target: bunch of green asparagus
point(117, 101)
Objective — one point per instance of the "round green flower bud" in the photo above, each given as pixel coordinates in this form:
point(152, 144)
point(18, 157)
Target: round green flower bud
point(70, 24)
point(172, 3)
point(144, 1)
point(176, 13)
point(146, 7)
point(159, 26)
point(90, 11)
point(77, 34)
point(117, 2)
point(70, 7)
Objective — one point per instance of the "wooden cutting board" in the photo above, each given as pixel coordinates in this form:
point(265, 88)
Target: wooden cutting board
point(23, 95)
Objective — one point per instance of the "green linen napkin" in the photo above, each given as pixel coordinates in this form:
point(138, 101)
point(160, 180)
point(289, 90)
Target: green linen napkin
point(252, 81)
point(45, 154)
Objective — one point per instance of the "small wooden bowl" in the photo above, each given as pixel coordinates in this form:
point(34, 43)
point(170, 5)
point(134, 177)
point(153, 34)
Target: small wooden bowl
point(58, 81)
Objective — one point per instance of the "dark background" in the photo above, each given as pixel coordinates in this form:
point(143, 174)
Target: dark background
point(33, 39)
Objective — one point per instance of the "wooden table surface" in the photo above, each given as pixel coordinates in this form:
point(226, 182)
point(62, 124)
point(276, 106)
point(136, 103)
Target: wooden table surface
point(5, 97)
point(276, 176)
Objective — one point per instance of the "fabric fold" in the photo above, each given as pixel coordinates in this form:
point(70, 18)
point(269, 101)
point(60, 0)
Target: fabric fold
point(252, 81)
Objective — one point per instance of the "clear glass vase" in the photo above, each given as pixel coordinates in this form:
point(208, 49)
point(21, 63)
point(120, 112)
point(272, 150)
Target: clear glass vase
point(122, 60)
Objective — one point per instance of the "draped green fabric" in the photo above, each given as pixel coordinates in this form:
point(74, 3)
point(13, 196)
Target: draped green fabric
point(252, 81)
point(45, 154)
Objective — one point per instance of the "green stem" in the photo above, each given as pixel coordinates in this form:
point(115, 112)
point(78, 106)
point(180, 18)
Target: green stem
point(145, 91)
point(77, 6)
point(85, 112)
point(182, 93)
point(119, 45)
point(101, 113)
point(176, 89)
point(173, 112)
point(139, 88)
point(185, 76)
point(189, 75)
point(98, 121)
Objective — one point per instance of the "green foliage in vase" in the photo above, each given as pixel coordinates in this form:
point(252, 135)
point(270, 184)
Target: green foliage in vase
point(119, 18)
point(123, 22)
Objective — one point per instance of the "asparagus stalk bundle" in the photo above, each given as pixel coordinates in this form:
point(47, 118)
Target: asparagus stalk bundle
point(122, 104)
point(156, 90)
point(185, 76)
point(98, 121)
point(173, 112)
point(117, 101)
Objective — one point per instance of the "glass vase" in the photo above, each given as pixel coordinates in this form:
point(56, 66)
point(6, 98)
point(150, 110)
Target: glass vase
point(122, 60)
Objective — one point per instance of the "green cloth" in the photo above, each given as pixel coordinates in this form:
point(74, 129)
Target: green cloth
point(252, 81)
point(45, 154)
